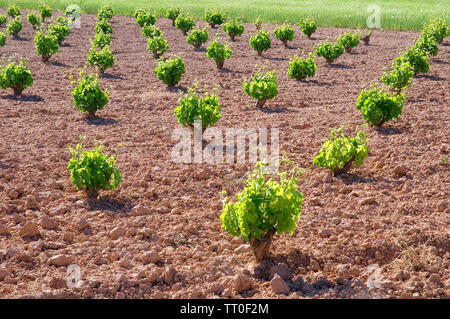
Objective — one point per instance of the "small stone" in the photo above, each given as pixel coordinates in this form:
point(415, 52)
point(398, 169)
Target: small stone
point(345, 190)
point(315, 202)
point(227, 292)
point(117, 232)
point(367, 201)
point(81, 224)
point(324, 233)
point(150, 257)
point(314, 265)
point(48, 223)
point(140, 210)
point(281, 270)
point(29, 230)
point(30, 202)
point(4, 230)
point(4, 274)
point(57, 283)
point(242, 282)
point(216, 288)
point(400, 170)
point(279, 286)
point(242, 249)
point(146, 232)
point(441, 206)
point(61, 260)
point(169, 275)
point(343, 271)
point(12, 194)
point(435, 278)
point(67, 237)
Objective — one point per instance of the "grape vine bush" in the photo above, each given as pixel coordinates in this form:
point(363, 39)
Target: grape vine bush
point(219, 52)
point(101, 40)
point(145, 18)
point(3, 20)
point(151, 31)
point(379, 106)
point(103, 27)
point(262, 87)
point(267, 205)
point(214, 18)
point(92, 171)
point(88, 96)
point(14, 27)
point(13, 11)
point(173, 14)
point(15, 76)
point(170, 71)
point(185, 24)
point(45, 11)
point(2, 39)
point(349, 41)
point(418, 60)
point(399, 78)
point(34, 20)
point(46, 45)
point(300, 68)
point(105, 14)
point(192, 107)
point(233, 28)
point(308, 26)
point(329, 51)
point(260, 42)
point(60, 29)
point(197, 37)
point(102, 59)
point(339, 152)
point(284, 34)
point(157, 45)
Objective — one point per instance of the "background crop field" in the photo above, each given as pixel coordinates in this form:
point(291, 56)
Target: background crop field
point(395, 15)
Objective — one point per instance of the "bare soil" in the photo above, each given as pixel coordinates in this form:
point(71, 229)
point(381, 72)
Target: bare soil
point(159, 234)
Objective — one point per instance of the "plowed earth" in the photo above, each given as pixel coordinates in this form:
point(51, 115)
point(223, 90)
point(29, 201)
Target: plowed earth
point(159, 234)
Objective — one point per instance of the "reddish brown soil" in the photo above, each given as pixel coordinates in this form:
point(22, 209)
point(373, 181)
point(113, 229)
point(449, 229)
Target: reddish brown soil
point(369, 216)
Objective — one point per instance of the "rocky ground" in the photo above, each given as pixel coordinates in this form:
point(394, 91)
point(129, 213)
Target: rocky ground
point(381, 231)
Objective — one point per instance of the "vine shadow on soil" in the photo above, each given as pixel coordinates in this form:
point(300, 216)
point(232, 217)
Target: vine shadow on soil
point(106, 202)
point(177, 88)
point(387, 131)
point(112, 76)
point(340, 66)
point(227, 70)
point(274, 59)
point(315, 82)
point(23, 98)
point(430, 77)
point(275, 110)
point(439, 61)
point(60, 64)
point(19, 39)
point(6, 166)
point(350, 178)
point(100, 121)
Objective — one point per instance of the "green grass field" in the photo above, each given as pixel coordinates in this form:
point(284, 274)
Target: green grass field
point(395, 15)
